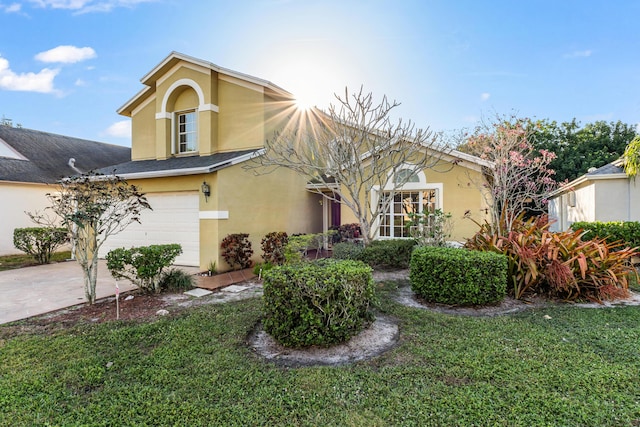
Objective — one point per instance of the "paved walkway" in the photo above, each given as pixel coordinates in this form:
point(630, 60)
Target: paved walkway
point(30, 291)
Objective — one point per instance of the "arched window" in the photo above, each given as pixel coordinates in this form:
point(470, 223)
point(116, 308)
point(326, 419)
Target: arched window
point(406, 175)
point(412, 195)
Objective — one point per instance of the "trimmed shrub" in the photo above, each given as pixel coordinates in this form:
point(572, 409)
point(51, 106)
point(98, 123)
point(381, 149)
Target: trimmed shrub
point(236, 250)
point(40, 242)
point(317, 303)
point(458, 276)
point(389, 254)
point(176, 280)
point(628, 233)
point(273, 247)
point(143, 265)
point(348, 250)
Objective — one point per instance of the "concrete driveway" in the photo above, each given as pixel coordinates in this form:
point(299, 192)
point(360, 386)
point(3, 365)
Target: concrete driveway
point(30, 291)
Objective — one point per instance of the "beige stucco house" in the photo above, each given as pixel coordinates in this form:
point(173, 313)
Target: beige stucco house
point(602, 194)
point(194, 127)
point(31, 162)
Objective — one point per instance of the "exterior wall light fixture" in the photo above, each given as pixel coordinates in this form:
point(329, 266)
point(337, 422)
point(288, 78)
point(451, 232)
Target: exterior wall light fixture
point(206, 190)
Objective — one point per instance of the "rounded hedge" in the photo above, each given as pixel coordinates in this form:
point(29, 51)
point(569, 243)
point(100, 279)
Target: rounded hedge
point(458, 276)
point(319, 303)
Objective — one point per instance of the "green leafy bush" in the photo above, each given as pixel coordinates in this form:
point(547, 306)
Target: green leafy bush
point(389, 254)
point(561, 265)
point(143, 265)
point(299, 245)
point(430, 229)
point(176, 279)
point(260, 268)
point(348, 250)
point(317, 303)
point(236, 250)
point(40, 242)
point(628, 233)
point(458, 276)
point(273, 247)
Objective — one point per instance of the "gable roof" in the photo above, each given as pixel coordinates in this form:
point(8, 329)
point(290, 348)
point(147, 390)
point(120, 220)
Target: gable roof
point(40, 157)
point(613, 170)
point(150, 79)
point(175, 166)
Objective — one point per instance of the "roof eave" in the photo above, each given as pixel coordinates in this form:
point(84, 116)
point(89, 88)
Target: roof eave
point(587, 178)
point(174, 56)
point(189, 171)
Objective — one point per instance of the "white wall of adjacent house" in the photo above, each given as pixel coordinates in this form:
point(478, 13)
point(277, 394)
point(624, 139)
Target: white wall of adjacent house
point(584, 205)
point(618, 200)
point(18, 198)
point(174, 219)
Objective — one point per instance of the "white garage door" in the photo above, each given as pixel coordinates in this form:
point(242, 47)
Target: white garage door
point(174, 219)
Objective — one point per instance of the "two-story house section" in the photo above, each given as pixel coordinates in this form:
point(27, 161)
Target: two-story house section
point(194, 124)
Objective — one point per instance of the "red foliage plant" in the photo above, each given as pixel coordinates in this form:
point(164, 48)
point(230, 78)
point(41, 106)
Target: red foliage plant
point(236, 250)
point(561, 264)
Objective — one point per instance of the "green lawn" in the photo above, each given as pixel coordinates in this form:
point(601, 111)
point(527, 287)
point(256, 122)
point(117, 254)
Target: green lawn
point(581, 367)
point(9, 262)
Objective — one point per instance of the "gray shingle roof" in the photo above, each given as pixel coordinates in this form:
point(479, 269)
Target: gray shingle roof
point(607, 169)
point(174, 163)
point(47, 155)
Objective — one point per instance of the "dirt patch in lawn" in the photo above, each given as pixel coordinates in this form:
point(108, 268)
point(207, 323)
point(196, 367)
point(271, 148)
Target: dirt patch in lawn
point(134, 307)
point(377, 338)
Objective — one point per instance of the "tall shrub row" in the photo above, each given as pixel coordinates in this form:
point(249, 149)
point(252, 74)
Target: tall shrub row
point(627, 233)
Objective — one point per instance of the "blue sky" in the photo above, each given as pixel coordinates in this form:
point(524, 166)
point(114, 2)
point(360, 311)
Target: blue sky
point(66, 66)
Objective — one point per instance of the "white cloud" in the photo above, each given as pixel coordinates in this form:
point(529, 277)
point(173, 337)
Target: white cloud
point(80, 82)
point(87, 6)
point(28, 82)
point(485, 96)
point(578, 54)
point(66, 54)
point(13, 8)
point(121, 129)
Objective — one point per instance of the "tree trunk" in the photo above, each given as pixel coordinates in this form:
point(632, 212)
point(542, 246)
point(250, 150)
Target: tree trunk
point(92, 273)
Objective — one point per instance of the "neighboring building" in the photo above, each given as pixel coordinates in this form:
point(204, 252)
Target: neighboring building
point(602, 194)
point(31, 162)
point(194, 127)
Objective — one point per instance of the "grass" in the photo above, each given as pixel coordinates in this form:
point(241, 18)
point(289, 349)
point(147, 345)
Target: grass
point(9, 262)
point(578, 367)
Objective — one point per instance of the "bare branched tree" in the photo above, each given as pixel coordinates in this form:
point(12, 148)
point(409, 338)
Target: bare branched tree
point(93, 207)
point(353, 154)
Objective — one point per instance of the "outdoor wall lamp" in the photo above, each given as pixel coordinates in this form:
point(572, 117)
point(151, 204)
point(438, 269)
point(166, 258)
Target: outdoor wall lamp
point(206, 190)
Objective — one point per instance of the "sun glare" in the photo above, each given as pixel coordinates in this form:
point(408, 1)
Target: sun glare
point(303, 103)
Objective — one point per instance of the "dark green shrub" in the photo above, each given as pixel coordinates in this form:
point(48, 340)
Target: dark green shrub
point(144, 265)
point(627, 233)
point(458, 276)
point(389, 254)
point(273, 245)
point(317, 303)
point(348, 250)
point(39, 242)
point(236, 250)
point(176, 280)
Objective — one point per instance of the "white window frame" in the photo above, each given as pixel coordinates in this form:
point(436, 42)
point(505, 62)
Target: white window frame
point(420, 186)
point(175, 132)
